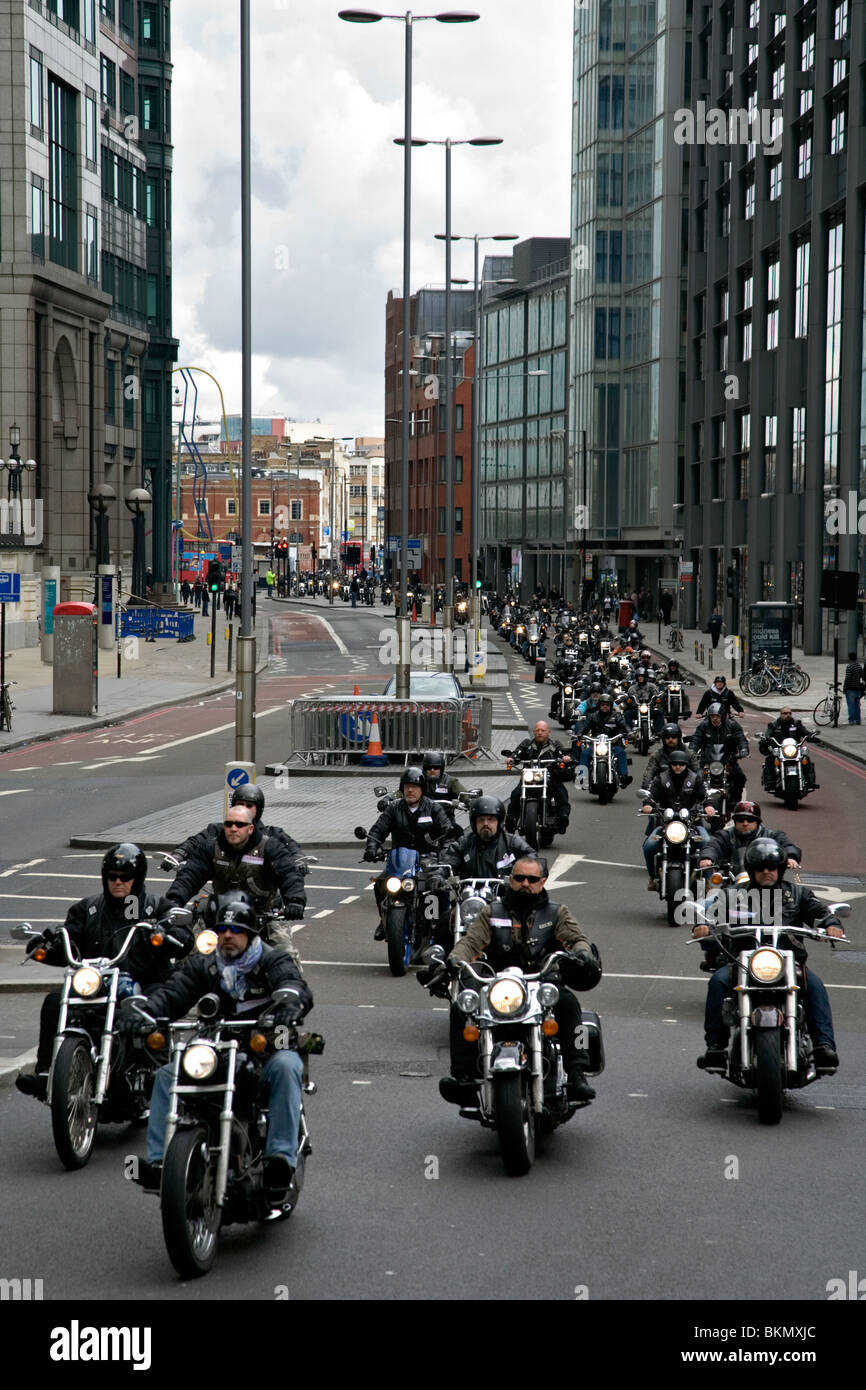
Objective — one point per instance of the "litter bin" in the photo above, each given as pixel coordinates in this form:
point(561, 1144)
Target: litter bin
point(76, 658)
point(626, 612)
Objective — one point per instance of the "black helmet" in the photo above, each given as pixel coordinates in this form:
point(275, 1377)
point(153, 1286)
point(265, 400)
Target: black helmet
point(486, 806)
point(595, 688)
point(605, 698)
point(126, 857)
point(716, 708)
point(678, 757)
point(413, 777)
point(765, 854)
point(435, 758)
point(671, 731)
point(250, 795)
point(234, 908)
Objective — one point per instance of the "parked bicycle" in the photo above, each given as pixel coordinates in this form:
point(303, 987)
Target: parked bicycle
point(827, 710)
point(764, 677)
point(675, 638)
point(6, 706)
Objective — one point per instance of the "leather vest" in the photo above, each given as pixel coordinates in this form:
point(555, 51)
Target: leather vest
point(507, 949)
point(246, 871)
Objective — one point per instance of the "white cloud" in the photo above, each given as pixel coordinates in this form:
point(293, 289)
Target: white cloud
point(327, 101)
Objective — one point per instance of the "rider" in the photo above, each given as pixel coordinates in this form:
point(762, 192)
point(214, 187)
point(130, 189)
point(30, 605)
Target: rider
point(786, 726)
point(675, 673)
point(609, 721)
point(715, 730)
point(97, 926)
point(720, 693)
point(243, 856)
point(414, 822)
point(486, 850)
point(248, 795)
point(521, 928)
point(242, 972)
point(542, 748)
point(679, 788)
point(730, 844)
point(643, 692)
point(672, 737)
point(765, 865)
point(440, 787)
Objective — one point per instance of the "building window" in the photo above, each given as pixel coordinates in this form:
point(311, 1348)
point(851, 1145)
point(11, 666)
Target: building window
point(840, 71)
point(771, 423)
point(37, 91)
point(150, 202)
point(264, 506)
point(126, 17)
point(295, 509)
point(89, 21)
point(801, 289)
point(778, 24)
point(91, 147)
point(804, 157)
point(754, 13)
point(742, 462)
point(837, 130)
point(724, 304)
point(67, 10)
point(798, 450)
point(722, 349)
point(231, 507)
point(106, 10)
point(37, 219)
point(62, 175)
point(458, 418)
point(108, 81)
point(724, 215)
point(441, 521)
point(833, 353)
point(840, 20)
point(110, 391)
point(130, 391)
point(775, 180)
point(807, 100)
point(747, 291)
point(91, 247)
point(807, 52)
point(749, 207)
point(127, 94)
point(746, 353)
point(772, 304)
point(149, 24)
point(458, 468)
point(779, 81)
point(458, 521)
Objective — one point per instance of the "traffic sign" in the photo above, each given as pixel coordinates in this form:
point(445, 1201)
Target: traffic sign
point(10, 586)
point(238, 777)
point(326, 531)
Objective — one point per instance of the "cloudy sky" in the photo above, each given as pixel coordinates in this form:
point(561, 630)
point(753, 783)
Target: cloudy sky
point(328, 186)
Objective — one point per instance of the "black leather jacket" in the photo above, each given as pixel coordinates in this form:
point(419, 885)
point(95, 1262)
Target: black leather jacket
point(260, 867)
point(727, 846)
point(275, 970)
point(470, 858)
point(729, 733)
point(420, 830)
point(97, 926)
point(800, 908)
point(686, 792)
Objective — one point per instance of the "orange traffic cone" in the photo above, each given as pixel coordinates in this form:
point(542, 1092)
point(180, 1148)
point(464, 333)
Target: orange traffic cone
point(357, 691)
point(374, 757)
point(414, 613)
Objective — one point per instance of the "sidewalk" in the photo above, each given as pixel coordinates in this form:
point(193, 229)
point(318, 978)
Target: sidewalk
point(153, 675)
point(847, 740)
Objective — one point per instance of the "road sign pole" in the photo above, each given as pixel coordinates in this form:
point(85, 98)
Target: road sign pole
point(213, 635)
point(2, 643)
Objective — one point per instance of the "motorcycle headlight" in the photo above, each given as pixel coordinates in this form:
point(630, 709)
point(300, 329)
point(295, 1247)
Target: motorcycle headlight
point(470, 908)
point(528, 776)
point(601, 747)
point(644, 709)
point(199, 1061)
point(468, 1000)
point(548, 996)
point(87, 982)
point(767, 966)
point(408, 885)
point(507, 997)
point(674, 689)
point(717, 769)
point(789, 748)
point(676, 832)
point(393, 885)
point(206, 942)
point(567, 690)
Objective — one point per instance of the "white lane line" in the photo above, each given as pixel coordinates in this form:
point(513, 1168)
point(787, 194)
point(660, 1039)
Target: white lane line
point(352, 899)
point(35, 897)
point(326, 912)
point(25, 865)
point(355, 964)
point(335, 869)
point(32, 767)
point(205, 733)
point(73, 762)
point(88, 877)
point(7, 946)
point(342, 646)
point(690, 979)
point(17, 791)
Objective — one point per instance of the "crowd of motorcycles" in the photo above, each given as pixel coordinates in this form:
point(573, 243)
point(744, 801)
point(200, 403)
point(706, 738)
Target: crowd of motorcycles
point(371, 590)
point(218, 1120)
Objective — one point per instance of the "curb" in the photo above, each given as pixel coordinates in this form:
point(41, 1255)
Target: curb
point(8, 1074)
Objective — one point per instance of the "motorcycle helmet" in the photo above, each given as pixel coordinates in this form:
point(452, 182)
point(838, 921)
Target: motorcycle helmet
point(764, 854)
point(716, 708)
point(125, 858)
point(486, 806)
point(234, 909)
point(640, 674)
point(750, 810)
point(413, 777)
point(678, 757)
point(435, 758)
point(646, 656)
point(671, 731)
point(250, 796)
point(595, 688)
point(605, 698)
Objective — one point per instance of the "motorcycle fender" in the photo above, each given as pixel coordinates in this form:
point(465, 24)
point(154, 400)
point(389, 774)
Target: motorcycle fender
point(506, 1057)
point(589, 1040)
point(767, 1016)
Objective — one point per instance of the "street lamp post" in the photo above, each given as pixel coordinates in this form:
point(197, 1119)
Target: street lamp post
point(100, 497)
point(372, 17)
point(138, 500)
point(16, 466)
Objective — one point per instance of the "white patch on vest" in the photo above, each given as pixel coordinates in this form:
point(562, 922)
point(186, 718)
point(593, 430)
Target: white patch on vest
point(252, 859)
point(424, 818)
point(500, 921)
point(501, 863)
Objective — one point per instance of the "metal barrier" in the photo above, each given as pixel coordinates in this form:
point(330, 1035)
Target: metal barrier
point(325, 731)
point(151, 623)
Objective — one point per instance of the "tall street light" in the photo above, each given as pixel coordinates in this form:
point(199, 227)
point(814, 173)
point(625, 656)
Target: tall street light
point(475, 464)
point(408, 19)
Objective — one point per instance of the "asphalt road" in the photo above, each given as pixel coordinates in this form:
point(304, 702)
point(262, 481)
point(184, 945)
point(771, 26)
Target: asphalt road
point(665, 1188)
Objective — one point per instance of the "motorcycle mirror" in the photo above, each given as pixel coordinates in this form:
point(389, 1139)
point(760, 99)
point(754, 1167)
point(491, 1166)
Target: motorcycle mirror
point(359, 832)
point(842, 909)
point(476, 791)
point(208, 1006)
point(380, 791)
point(382, 804)
point(22, 932)
point(180, 916)
point(434, 955)
point(507, 753)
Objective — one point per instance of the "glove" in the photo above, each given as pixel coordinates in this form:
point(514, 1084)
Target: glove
point(582, 969)
point(128, 1020)
point(294, 911)
point(373, 852)
point(435, 978)
point(45, 938)
point(290, 1012)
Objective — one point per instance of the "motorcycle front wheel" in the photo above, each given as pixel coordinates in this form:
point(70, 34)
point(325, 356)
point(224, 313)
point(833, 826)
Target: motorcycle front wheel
point(673, 885)
point(792, 800)
point(399, 948)
point(515, 1121)
point(73, 1109)
point(768, 1074)
point(190, 1216)
point(606, 792)
point(530, 823)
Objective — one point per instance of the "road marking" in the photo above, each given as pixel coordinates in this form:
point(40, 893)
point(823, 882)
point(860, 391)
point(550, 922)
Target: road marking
point(352, 899)
point(366, 1006)
point(25, 865)
point(205, 733)
point(344, 650)
point(73, 763)
point(638, 1095)
point(6, 945)
point(355, 964)
point(326, 912)
point(32, 767)
point(612, 975)
point(17, 791)
point(35, 897)
point(362, 1083)
point(825, 1107)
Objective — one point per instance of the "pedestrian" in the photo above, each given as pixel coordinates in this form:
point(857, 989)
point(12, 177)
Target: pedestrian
point(185, 591)
point(204, 603)
point(853, 687)
point(714, 627)
point(197, 591)
point(229, 602)
point(354, 590)
point(666, 603)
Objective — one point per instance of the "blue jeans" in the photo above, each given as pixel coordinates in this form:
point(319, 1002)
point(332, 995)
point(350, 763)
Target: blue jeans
point(618, 753)
point(650, 845)
point(853, 698)
point(819, 1019)
point(281, 1073)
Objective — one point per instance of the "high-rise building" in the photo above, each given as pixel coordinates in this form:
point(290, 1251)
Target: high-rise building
point(776, 404)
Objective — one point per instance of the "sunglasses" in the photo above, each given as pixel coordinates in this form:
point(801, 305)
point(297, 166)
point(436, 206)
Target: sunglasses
point(527, 878)
point(120, 878)
point(745, 820)
point(235, 928)
point(243, 823)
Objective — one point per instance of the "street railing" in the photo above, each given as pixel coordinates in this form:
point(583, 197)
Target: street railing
point(328, 731)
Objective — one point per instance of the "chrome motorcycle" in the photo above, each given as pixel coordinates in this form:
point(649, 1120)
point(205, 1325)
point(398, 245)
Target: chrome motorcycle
point(788, 779)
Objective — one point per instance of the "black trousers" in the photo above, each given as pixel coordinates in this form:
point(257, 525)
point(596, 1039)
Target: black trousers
point(464, 1055)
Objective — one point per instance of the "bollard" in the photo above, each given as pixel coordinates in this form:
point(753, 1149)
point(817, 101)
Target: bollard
point(229, 638)
point(702, 653)
point(709, 658)
point(696, 649)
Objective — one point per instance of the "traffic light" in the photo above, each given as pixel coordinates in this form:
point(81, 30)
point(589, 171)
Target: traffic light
point(215, 577)
point(372, 554)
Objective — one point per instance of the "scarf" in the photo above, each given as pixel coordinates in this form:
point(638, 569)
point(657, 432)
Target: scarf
point(234, 973)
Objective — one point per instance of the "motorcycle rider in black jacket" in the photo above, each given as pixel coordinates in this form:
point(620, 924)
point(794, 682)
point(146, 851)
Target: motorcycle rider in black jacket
point(672, 738)
point(242, 970)
point(249, 795)
point(729, 845)
point(242, 856)
point(786, 726)
point(716, 729)
point(486, 850)
point(679, 788)
point(413, 821)
point(542, 748)
point(720, 693)
point(97, 926)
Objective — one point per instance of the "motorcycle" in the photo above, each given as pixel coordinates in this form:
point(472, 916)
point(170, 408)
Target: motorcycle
point(387, 595)
point(213, 1171)
point(718, 786)
point(562, 703)
point(410, 906)
point(94, 1077)
point(788, 779)
point(537, 816)
point(345, 592)
point(642, 735)
point(302, 589)
point(522, 1088)
point(370, 595)
point(673, 701)
point(461, 612)
point(336, 587)
point(603, 778)
point(679, 850)
point(770, 1050)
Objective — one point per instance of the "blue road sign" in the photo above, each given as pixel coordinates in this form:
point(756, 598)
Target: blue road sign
point(326, 531)
point(10, 586)
point(238, 777)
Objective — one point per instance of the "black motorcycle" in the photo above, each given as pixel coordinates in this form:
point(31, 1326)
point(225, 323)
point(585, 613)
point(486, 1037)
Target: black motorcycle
point(536, 820)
